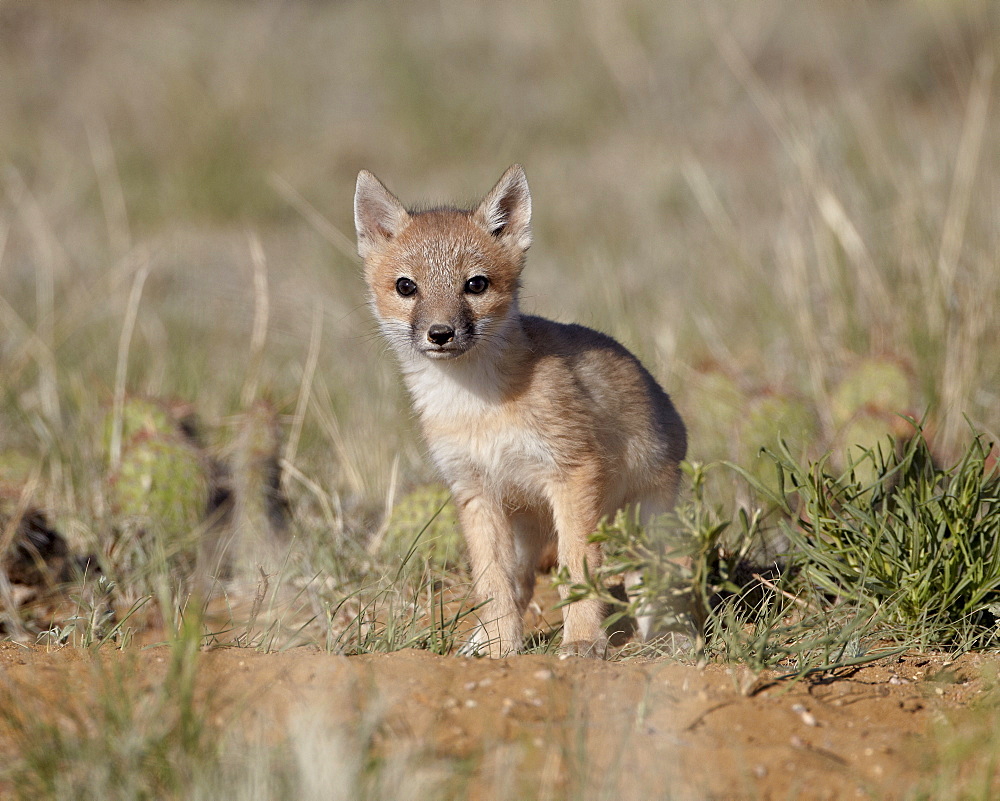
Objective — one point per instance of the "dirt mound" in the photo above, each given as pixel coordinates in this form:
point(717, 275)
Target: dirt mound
point(567, 727)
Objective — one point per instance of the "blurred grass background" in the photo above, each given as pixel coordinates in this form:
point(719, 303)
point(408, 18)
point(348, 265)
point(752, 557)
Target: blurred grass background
point(789, 211)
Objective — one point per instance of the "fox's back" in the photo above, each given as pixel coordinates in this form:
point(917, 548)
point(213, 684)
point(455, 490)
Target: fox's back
point(596, 383)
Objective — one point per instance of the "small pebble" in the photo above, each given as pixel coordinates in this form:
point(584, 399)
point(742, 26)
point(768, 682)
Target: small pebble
point(805, 714)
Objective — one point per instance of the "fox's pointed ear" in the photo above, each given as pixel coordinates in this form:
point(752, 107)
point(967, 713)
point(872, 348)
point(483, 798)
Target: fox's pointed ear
point(378, 215)
point(505, 212)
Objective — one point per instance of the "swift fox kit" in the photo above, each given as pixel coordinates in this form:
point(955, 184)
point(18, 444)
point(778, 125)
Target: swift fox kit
point(541, 429)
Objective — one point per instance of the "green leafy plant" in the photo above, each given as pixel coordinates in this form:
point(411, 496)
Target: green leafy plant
point(908, 558)
point(719, 583)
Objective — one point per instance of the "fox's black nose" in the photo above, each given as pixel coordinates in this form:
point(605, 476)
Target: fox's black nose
point(440, 334)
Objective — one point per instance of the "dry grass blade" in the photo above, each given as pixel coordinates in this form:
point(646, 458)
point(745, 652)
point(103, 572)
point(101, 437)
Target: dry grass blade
point(959, 317)
point(50, 258)
point(110, 186)
point(311, 214)
point(121, 367)
point(305, 385)
point(258, 334)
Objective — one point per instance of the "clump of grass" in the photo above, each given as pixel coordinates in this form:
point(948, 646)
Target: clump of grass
point(158, 490)
point(123, 743)
point(918, 544)
point(388, 615)
point(414, 604)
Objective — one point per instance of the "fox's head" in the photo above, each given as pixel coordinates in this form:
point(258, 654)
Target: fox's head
point(443, 281)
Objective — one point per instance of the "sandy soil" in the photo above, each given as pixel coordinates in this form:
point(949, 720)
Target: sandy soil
point(633, 729)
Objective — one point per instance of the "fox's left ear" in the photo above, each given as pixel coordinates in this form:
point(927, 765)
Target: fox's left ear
point(505, 212)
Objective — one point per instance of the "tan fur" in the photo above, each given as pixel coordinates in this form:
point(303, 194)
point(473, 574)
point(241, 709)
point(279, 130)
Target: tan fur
point(541, 429)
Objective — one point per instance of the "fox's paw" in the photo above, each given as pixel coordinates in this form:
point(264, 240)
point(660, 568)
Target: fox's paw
point(676, 643)
point(588, 649)
point(472, 647)
point(481, 643)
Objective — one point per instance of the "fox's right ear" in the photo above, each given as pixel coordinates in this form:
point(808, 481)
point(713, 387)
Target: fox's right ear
point(505, 212)
point(378, 215)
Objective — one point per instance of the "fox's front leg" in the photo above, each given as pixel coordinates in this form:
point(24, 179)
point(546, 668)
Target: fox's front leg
point(495, 573)
point(576, 514)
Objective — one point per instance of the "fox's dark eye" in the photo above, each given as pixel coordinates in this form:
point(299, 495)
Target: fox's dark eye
point(477, 284)
point(405, 287)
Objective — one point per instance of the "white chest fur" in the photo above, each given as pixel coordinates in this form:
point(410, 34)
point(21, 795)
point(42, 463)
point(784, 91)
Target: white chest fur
point(473, 434)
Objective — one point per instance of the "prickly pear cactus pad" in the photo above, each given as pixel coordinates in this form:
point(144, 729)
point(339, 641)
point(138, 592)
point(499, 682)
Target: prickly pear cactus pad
point(440, 542)
point(141, 416)
point(872, 384)
point(161, 483)
point(771, 418)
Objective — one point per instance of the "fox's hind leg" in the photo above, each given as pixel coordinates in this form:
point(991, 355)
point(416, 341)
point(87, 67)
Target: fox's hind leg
point(533, 533)
point(653, 511)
